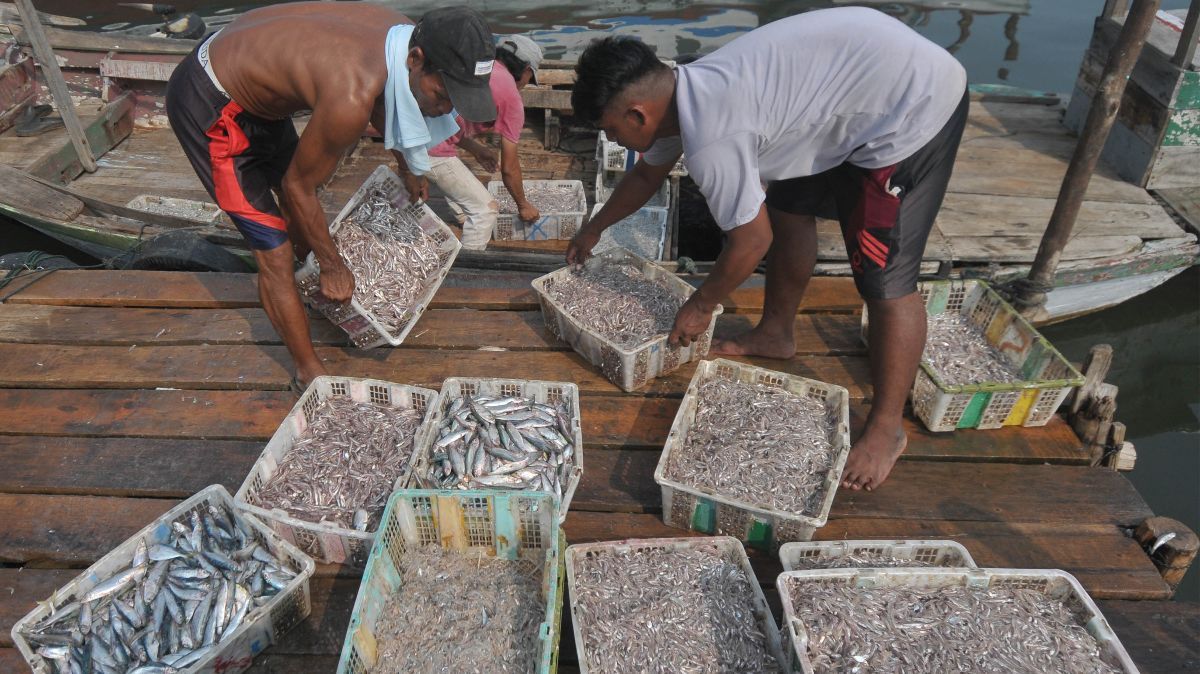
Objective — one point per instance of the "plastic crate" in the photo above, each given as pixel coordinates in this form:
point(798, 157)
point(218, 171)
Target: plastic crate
point(831, 554)
point(643, 233)
point(203, 212)
point(629, 369)
point(606, 182)
point(1048, 377)
point(365, 332)
point(327, 542)
point(730, 549)
point(759, 526)
point(563, 225)
point(612, 157)
point(1054, 584)
point(263, 625)
point(548, 392)
point(510, 525)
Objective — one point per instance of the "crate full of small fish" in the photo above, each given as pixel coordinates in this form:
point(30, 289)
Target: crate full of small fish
point(754, 454)
point(399, 254)
point(561, 203)
point(670, 605)
point(203, 588)
point(460, 581)
point(503, 434)
point(984, 365)
point(808, 555)
point(617, 312)
point(945, 620)
point(606, 182)
point(324, 478)
point(644, 233)
point(612, 157)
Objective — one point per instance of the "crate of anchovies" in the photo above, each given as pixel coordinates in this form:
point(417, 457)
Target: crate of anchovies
point(203, 588)
point(399, 254)
point(643, 232)
point(612, 157)
point(808, 555)
point(617, 312)
point(945, 620)
point(984, 365)
point(754, 454)
point(324, 478)
point(561, 203)
point(606, 182)
point(460, 581)
point(670, 605)
point(509, 434)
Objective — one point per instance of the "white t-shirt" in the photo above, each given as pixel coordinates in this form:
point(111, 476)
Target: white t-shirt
point(802, 95)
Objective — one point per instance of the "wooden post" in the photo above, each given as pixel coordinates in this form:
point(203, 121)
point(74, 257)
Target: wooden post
point(1186, 50)
point(1175, 553)
point(1031, 296)
point(1094, 405)
point(58, 85)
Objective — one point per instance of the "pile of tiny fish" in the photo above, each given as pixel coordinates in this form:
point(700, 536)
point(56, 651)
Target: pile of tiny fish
point(617, 301)
point(758, 444)
point(392, 258)
point(953, 629)
point(173, 605)
point(960, 354)
point(507, 442)
point(459, 613)
point(548, 198)
point(866, 560)
point(341, 469)
point(683, 610)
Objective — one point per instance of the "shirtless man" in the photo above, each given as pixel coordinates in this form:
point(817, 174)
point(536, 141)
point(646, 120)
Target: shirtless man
point(230, 104)
point(844, 109)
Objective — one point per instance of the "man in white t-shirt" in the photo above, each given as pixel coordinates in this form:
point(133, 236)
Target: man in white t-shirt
point(840, 110)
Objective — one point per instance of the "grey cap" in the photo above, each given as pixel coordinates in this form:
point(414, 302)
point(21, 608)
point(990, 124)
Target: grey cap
point(523, 48)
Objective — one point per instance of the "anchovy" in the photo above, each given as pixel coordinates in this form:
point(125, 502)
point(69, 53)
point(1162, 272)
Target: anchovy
point(960, 354)
point(617, 301)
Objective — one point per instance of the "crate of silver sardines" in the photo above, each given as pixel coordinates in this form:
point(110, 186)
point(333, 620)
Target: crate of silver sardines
point(561, 203)
point(399, 254)
point(325, 476)
point(203, 588)
point(617, 312)
point(870, 554)
point(460, 581)
point(503, 434)
point(945, 620)
point(984, 365)
point(754, 454)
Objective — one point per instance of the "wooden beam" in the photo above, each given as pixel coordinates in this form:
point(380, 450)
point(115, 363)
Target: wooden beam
point(1186, 51)
point(110, 127)
point(18, 90)
point(545, 97)
point(1171, 544)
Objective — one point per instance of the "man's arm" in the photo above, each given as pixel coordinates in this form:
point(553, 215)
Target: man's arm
point(634, 190)
point(417, 186)
point(482, 153)
point(510, 173)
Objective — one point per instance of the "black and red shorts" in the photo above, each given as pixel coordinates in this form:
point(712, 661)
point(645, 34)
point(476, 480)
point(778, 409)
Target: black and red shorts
point(886, 213)
point(239, 157)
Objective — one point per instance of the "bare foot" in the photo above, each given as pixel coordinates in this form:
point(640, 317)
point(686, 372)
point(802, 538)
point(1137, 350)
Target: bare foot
point(871, 459)
point(757, 342)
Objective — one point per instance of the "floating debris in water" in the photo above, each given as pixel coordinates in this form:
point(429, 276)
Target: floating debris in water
point(174, 604)
point(960, 354)
point(617, 301)
point(507, 442)
point(342, 468)
point(758, 444)
point(655, 610)
point(952, 629)
point(460, 613)
point(549, 199)
point(392, 258)
point(868, 560)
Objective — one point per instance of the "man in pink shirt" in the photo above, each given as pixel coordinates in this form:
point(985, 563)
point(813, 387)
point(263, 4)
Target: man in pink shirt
point(520, 57)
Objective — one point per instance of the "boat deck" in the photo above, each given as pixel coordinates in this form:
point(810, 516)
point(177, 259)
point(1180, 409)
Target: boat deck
point(124, 392)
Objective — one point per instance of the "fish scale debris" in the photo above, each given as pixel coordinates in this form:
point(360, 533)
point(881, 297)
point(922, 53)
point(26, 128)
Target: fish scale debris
point(460, 613)
point(549, 199)
point(953, 629)
point(757, 444)
point(654, 610)
point(617, 301)
point(173, 605)
point(960, 354)
point(341, 469)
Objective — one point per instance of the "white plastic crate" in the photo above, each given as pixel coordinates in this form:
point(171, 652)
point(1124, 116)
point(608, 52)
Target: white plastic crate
point(364, 330)
point(563, 225)
point(760, 526)
point(203, 212)
point(642, 233)
point(730, 549)
point(612, 157)
point(1054, 584)
point(508, 525)
point(262, 626)
point(547, 392)
point(1047, 376)
point(327, 542)
point(629, 369)
point(606, 182)
point(832, 554)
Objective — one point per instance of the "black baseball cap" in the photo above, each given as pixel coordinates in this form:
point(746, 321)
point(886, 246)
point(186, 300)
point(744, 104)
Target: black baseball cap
point(458, 42)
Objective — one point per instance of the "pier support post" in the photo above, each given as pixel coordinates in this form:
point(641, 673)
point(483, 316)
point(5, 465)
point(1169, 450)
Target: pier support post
point(1172, 547)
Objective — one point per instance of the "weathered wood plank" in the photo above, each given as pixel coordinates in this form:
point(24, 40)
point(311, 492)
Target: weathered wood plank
point(984, 215)
point(1161, 636)
point(70, 531)
point(21, 590)
point(1186, 202)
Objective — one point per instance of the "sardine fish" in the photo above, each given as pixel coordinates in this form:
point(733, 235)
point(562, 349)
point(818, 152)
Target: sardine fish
point(617, 301)
point(960, 354)
point(548, 198)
